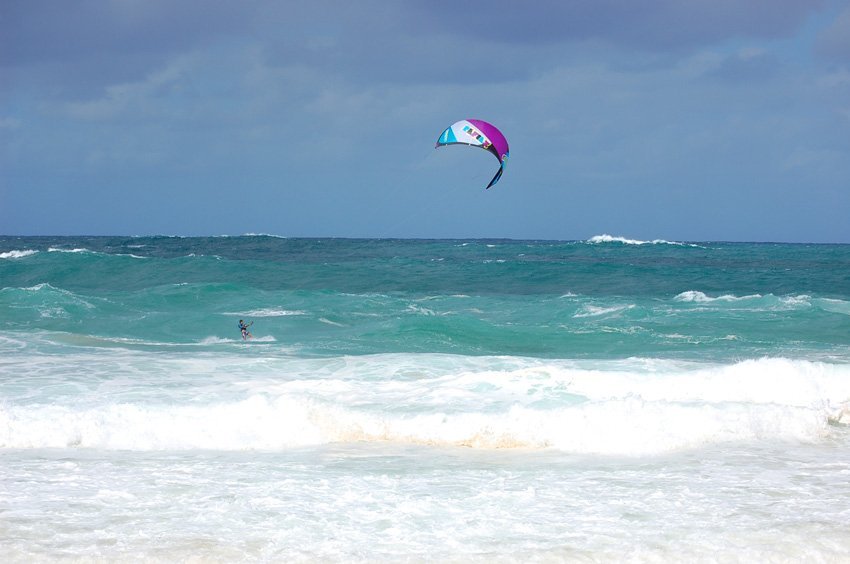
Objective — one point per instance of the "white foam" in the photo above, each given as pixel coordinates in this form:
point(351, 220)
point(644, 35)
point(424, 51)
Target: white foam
point(419, 310)
point(605, 238)
point(596, 311)
point(126, 341)
point(39, 287)
point(700, 297)
point(631, 426)
point(834, 306)
point(254, 423)
point(17, 254)
point(767, 301)
point(264, 339)
point(267, 312)
point(795, 301)
point(223, 341)
point(217, 340)
point(59, 250)
point(632, 407)
point(71, 296)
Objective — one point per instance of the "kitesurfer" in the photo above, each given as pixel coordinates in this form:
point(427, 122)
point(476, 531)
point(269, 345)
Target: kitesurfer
point(244, 329)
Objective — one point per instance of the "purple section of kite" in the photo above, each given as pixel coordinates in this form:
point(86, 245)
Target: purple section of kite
point(500, 144)
point(478, 133)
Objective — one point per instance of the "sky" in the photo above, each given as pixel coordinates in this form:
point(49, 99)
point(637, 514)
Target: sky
point(704, 120)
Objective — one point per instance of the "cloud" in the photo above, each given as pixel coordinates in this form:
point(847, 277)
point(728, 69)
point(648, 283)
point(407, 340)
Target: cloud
point(834, 41)
point(134, 96)
point(498, 41)
point(302, 111)
point(42, 31)
point(660, 24)
point(109, 41)
point(748, 65)
point(809, 159)
point(10, 123)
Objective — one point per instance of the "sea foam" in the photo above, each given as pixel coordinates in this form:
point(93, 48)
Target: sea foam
point(631, 426)
point(73, 251)
point(635, 408)
point(14, 254)
point(605, 238)
point(267, 312)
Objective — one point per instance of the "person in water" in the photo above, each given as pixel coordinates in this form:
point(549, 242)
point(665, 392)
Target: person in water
point(244, 329)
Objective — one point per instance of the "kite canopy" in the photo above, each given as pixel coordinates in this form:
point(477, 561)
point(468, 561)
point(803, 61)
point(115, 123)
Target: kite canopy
point(481, 134)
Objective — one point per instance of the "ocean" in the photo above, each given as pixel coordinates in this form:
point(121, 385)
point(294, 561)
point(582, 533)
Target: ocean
point(423, 400)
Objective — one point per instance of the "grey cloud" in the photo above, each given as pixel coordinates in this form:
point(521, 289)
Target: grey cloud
point(498, 40)
point(441, 40)
point(46, 31)
point(662, 24)
point(73, 49)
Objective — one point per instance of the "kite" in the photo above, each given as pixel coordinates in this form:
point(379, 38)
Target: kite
point(481, 134)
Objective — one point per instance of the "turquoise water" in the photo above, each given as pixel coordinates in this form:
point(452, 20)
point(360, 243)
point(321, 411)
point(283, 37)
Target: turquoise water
point(531, 298)
point(487, 400)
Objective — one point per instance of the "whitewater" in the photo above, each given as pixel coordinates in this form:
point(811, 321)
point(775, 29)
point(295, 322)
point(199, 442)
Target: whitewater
point(449, 400)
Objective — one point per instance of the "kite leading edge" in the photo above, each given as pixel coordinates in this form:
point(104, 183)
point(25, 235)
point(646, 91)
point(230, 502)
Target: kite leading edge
point(478, 133)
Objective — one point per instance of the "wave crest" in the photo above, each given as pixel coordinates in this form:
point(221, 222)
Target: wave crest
point(632, 408)
point(605, 238)
point(15, 254)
